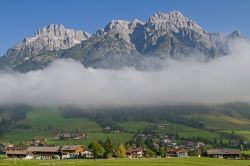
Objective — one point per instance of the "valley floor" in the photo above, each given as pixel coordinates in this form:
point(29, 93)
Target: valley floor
point(190, 161)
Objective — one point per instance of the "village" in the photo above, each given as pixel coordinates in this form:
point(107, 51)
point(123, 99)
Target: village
point(142, 146)
point(79, 152)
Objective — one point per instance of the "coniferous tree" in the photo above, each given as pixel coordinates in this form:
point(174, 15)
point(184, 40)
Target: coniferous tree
point(109, 148)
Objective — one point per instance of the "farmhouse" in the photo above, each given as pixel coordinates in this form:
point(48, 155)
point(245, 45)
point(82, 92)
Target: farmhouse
point(135, 152)
point(70, 135)
point(16, 152)
point(177, 153)
point(71, 151)
point(44, 152)
point(224, 153)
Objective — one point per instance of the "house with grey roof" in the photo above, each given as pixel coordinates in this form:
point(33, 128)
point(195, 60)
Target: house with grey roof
point(224, 153)
point(44, 152)
point(16, 152)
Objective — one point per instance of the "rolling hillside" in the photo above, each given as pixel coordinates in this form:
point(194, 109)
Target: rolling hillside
point(47, 122)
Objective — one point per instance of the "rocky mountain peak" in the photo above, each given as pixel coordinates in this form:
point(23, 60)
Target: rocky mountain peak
point(122, 25)
point(56, 29)
point(123, 28)
point(173, 21)
point(117, 25)
point(172, 15)
point(52, 37)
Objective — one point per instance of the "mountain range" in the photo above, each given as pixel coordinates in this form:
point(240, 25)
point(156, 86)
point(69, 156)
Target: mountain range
point(120, 43)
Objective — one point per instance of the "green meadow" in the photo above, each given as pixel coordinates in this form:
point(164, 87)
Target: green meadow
point(190, 161)
point(47, 122)
point(134, 126)
point(52, 118)
point(220, 121)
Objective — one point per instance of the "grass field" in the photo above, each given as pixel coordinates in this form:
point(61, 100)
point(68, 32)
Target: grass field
point(48, 117)
point(92, 137)
point(244, 133)
point(188, 132)
point(134, 126)
point(18, 136)
point(41, 119)
point(191, 161)
point(45, 123)
point(21, 136)
point(222, 121)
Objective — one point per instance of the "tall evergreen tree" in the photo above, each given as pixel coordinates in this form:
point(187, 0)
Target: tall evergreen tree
point(109, 148)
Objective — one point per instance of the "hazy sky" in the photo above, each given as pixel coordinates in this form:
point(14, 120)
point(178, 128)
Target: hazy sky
point(21, 18)
point(66, 82)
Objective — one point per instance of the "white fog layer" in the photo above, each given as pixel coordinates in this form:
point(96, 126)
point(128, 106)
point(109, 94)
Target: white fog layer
point(67, 82)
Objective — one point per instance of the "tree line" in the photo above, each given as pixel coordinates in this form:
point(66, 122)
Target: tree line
point(107, 149)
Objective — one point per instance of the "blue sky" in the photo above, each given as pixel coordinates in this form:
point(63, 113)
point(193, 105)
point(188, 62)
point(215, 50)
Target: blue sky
point(21, 18)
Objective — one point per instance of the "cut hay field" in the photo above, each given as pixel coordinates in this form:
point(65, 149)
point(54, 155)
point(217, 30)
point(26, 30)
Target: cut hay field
point(191, 161)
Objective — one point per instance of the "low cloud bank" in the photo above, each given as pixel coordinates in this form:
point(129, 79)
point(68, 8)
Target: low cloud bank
point(66, 82)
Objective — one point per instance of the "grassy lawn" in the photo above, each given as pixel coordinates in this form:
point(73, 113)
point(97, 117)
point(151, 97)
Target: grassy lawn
point(191, 161)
